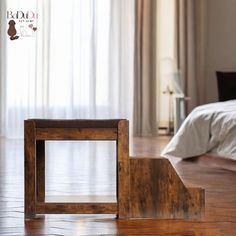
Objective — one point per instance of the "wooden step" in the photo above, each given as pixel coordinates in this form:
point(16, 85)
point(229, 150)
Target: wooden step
point(156, 191)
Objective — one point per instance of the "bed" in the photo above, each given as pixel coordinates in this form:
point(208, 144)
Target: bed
point(209, 128)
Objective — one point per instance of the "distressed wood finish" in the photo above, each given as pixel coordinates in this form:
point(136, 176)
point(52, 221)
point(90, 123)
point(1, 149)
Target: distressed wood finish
point(30, 169)
point(76, 134)
point(40, 170)
point(76, 123)
point(38, 131)
point(76, 208)
point(158, 192)
point(123, 169)
point(146, 187)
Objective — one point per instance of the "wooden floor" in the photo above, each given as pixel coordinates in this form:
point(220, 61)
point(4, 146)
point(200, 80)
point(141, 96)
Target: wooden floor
point(82, 168)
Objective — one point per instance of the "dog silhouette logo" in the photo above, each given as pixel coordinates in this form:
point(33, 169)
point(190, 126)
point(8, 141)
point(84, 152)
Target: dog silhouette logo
point(12, 30)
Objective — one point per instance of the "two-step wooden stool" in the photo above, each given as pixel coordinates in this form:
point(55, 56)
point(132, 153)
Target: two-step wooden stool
point(146, 187)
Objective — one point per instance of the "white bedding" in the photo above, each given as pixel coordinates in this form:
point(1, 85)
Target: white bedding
point(208, 128)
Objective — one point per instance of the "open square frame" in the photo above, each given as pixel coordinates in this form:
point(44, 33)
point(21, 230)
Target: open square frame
point(37, 131)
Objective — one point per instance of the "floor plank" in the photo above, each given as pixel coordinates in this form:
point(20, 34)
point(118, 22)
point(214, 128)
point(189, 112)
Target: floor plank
point(85, 168)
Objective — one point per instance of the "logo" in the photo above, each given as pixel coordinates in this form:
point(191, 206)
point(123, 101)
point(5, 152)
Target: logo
point(12, 30)
point(28, 15)
point(21, 24)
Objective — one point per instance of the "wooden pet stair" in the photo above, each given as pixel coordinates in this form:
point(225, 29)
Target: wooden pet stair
point(146, 187)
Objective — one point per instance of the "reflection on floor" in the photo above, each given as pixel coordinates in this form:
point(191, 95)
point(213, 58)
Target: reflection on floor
point(87, 168)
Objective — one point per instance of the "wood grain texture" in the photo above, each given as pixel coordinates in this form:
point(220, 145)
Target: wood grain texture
point(40, 170)
point(76, 133)
point(80, 130)
point(76, 123)
point(76, 208)
point(155, 190)
point(30, 169)
point(158, 192)
point(123, 180)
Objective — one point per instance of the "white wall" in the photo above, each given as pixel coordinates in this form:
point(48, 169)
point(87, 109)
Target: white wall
point(221, 42)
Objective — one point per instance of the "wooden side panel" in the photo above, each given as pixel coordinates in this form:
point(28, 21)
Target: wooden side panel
point(157, 192)
point(196, 201)
point(40, 168)
point(123, 169)
point(76, 123)
point(76, 208)
point(30, 169)
point(76, 134)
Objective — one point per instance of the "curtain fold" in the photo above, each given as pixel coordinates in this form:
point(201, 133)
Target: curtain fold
point(121, 57)
point(78, 64)
point(145, 91)
point(3, 26)
point(191, 43)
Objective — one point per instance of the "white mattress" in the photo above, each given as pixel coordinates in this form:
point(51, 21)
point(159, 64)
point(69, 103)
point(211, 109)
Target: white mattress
point(208, 128)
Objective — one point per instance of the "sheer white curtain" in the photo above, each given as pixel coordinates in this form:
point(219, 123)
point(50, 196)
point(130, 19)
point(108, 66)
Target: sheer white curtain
point(2, 64)
point(78, 64)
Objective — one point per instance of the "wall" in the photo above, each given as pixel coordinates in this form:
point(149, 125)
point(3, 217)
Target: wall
point(221, 42)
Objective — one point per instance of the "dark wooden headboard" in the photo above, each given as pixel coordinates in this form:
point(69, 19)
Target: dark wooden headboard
point(226, 82)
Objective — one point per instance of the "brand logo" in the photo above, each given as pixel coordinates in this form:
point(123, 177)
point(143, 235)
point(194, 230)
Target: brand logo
point(19, 15)
point(21, 24)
